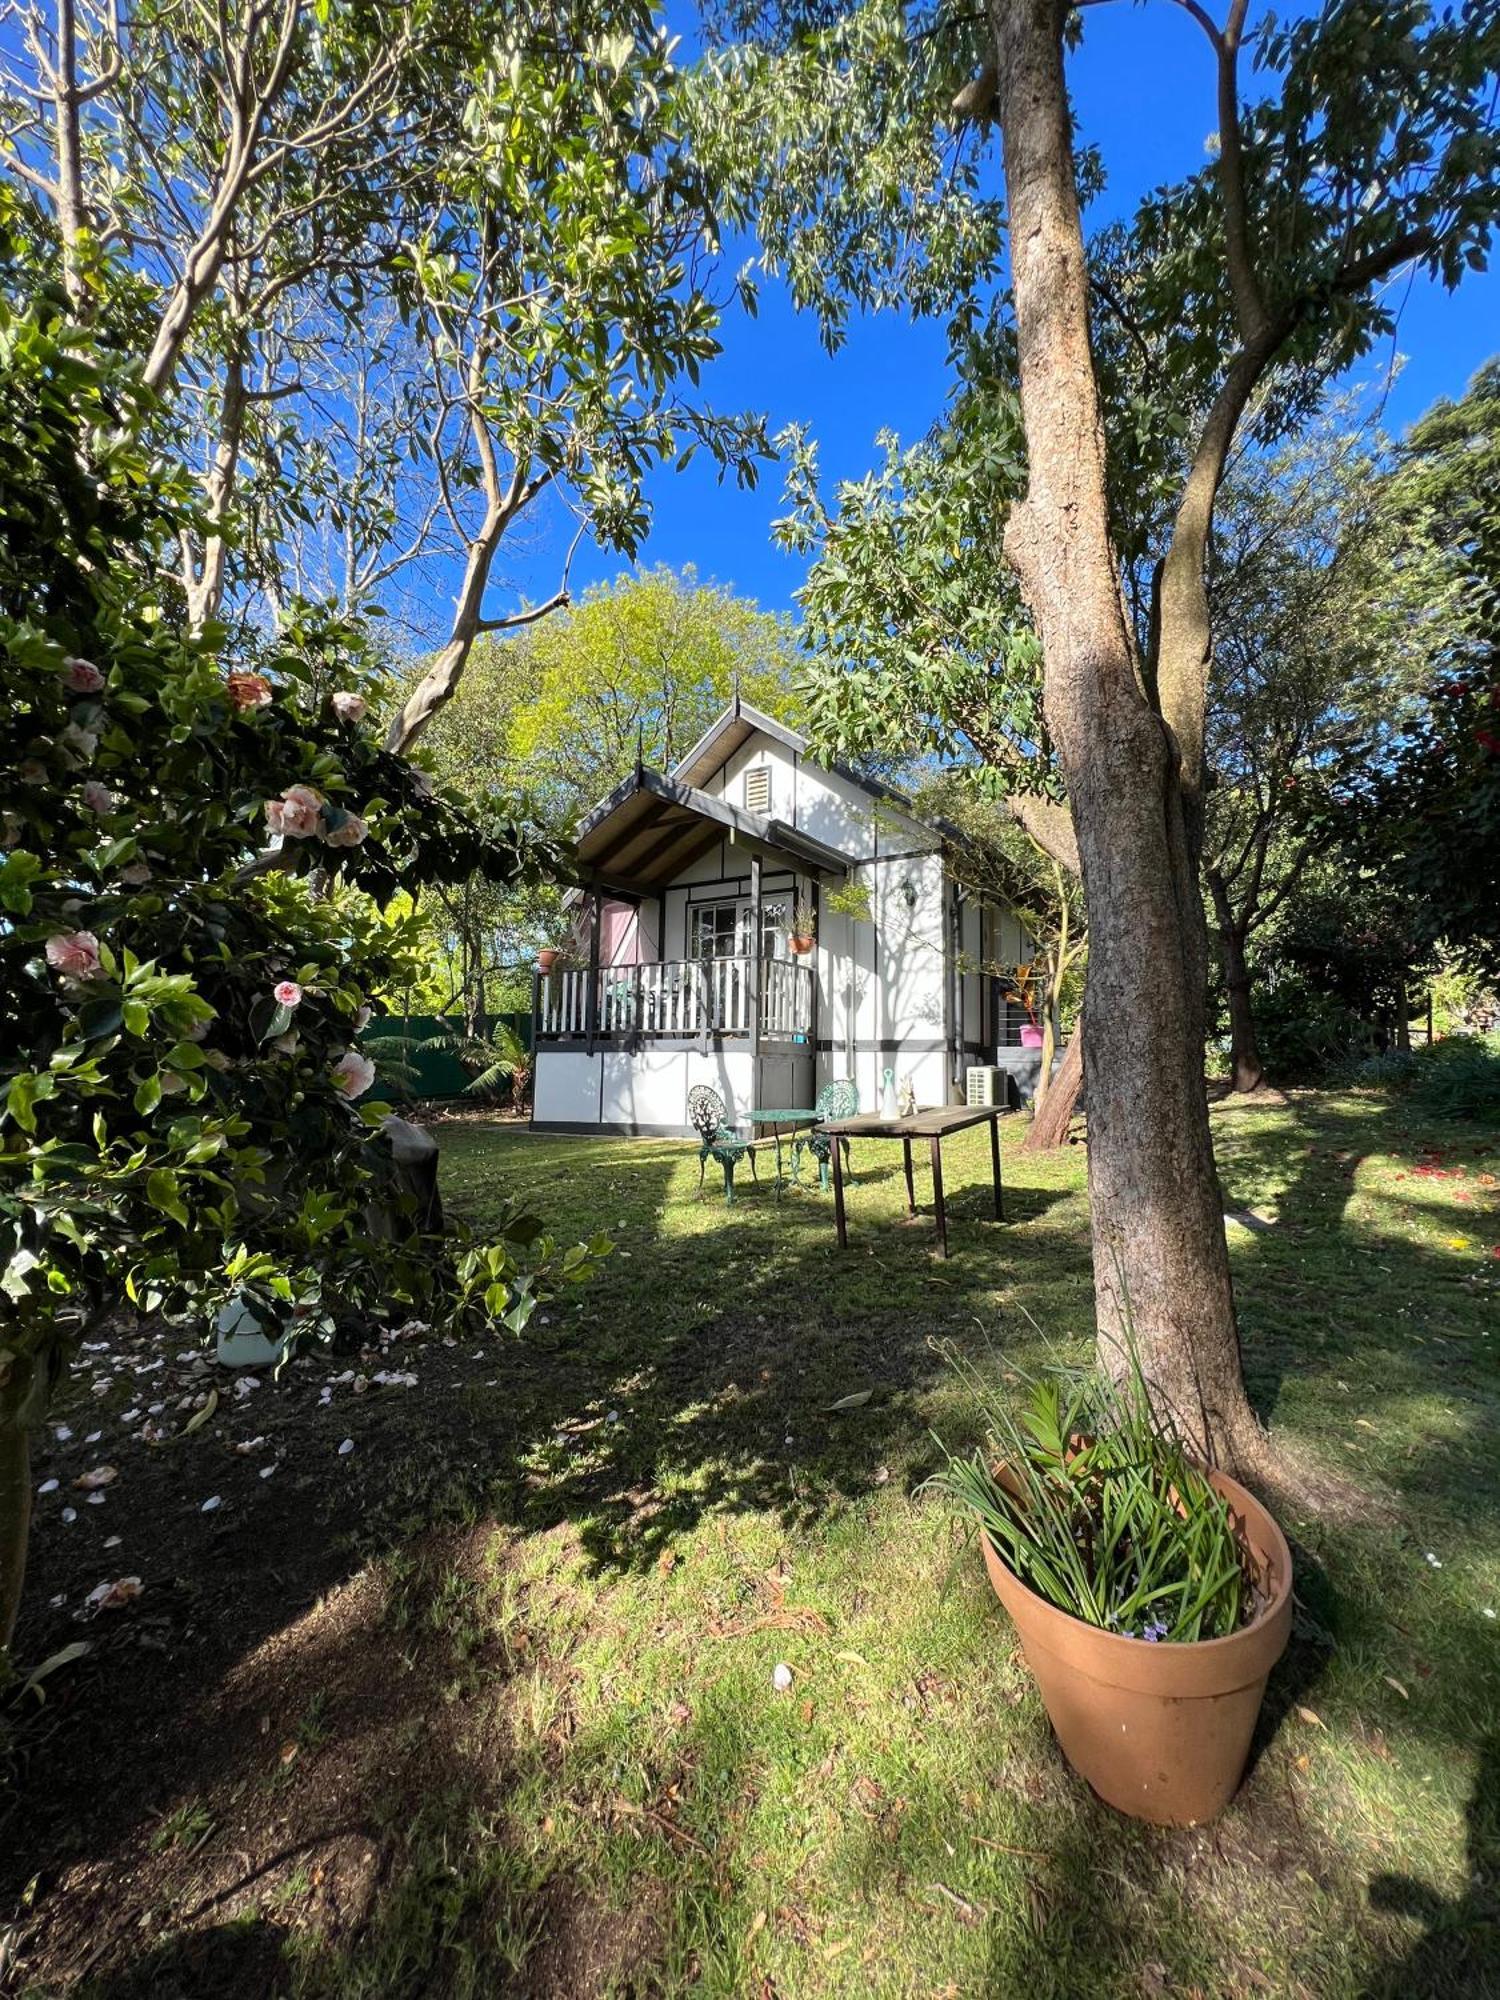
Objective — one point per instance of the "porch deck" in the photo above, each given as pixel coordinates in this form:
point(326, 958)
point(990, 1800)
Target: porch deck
point(678, 999)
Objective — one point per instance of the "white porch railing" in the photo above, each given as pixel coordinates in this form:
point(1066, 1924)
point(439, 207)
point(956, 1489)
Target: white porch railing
point(678, 997)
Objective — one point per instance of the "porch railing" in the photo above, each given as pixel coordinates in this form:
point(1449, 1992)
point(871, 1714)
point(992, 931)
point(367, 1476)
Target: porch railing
point(678, 997)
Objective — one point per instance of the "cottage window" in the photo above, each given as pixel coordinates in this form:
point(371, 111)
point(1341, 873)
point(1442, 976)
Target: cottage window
point(713, 930)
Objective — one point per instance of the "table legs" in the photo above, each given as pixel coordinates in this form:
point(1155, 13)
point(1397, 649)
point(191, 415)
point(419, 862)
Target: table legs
point(911, 1193)
point(936, 1145)
point(995, 1169)
point(838, 1195)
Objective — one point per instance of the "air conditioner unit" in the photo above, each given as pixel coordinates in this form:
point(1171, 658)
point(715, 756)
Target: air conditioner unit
point(985, 1086)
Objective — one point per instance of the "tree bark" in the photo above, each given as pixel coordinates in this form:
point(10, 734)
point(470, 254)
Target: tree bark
point(1161, 1267)
point(15, 1524)
point(1054, 1114)
point(71, 213)
point(1248, 1071)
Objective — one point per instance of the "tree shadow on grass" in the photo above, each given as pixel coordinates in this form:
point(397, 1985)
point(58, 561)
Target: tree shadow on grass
point(723, 1344)
point(1375, 1313)
point(697, 1375)
point(1459, 1955)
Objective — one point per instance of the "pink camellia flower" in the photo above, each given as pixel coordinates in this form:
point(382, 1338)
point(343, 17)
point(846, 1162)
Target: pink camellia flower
point(81, 676)
point(98, 798)
point(32, 771)
point(75, 954)
point(349, 833)
point(353, 1073)
point(362, 1018)
point(348, 707)
point(288, 993)
point(295, 813)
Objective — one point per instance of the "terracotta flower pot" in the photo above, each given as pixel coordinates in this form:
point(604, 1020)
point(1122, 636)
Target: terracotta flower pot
point(546, 959)
point(1159, 1730)
point(801, 945)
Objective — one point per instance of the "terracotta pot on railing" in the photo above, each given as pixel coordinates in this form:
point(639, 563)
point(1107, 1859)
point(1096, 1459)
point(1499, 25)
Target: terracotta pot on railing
point(546, 959)
point(1160, 1730)
point(802, 945)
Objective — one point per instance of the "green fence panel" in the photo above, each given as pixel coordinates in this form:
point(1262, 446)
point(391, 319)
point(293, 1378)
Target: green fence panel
point(412, 1072)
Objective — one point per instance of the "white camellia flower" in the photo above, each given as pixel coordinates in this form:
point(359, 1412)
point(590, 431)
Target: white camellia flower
point(347, 706)
point(353, 1073)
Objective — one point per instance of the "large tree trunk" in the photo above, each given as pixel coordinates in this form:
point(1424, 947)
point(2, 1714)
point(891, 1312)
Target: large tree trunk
point(1054, 1114)
point(1161, 1268)
point(15, 1523)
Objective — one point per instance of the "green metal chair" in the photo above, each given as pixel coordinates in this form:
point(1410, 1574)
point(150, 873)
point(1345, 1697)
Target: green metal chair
point(839, 1099)
point(716, 1140)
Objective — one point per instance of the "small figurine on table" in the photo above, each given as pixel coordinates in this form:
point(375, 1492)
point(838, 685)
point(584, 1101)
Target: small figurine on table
point(906, 1102)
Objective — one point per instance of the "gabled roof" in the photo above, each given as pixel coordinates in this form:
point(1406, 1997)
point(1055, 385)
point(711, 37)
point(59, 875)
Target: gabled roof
point(725, 734)
point(739, 722)
point(650, 828)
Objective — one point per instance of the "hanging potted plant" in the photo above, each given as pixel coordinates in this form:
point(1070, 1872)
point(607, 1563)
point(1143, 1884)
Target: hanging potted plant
point(1152, 1597)
point(546, 958)
point(1022, 988)
point(804, 930)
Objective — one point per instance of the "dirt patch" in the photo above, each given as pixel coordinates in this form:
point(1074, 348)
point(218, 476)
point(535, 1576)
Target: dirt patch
point(588, 1949)
point(230, 1781)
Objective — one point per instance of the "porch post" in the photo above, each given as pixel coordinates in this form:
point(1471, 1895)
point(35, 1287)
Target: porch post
point(814, 1012)
point(755, 975)
point(591, 999)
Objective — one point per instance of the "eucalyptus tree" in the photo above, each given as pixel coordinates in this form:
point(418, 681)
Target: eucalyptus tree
point(246, 162)
point(1368, 146)
point(562, 293)
point(395, 274)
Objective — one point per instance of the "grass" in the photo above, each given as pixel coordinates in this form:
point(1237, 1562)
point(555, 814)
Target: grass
point(636, 1513)
point(899, 1821)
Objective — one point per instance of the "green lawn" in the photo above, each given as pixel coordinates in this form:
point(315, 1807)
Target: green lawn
point(526, 1740)
point(690, 1513)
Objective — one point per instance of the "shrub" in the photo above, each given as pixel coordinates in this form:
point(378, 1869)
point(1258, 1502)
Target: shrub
point(1388, 1069)
point(1459, 1078)
point(180, 994)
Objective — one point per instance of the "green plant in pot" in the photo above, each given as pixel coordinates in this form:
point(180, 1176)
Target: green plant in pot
point(804, 931)
point(1152, 1596)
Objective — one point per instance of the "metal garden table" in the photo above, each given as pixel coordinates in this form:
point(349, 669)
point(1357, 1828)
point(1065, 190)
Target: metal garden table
point(783, 1124)
point(933, 1126)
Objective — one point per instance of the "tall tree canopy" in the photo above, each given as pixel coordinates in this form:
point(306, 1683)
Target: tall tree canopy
point(637, 667)
point(1427, 815)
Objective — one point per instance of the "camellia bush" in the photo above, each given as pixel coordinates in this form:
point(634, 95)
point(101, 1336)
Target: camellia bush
point(196, 844)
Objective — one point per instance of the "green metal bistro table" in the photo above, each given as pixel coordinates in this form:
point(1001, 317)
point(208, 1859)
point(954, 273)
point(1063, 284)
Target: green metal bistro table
point(783, 1124)
point(933, 1126)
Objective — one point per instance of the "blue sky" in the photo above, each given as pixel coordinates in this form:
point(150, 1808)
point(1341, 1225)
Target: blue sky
point(1143, 87)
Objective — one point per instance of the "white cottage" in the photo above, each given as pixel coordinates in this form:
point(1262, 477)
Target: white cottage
point(691, 976)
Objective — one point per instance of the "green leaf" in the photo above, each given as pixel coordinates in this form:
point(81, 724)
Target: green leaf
point(164, 1192)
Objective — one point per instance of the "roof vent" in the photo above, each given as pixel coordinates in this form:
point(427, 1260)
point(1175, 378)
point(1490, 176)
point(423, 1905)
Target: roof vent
point(758, 789)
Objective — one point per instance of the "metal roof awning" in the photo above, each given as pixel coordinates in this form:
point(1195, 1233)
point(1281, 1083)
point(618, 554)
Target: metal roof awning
point(650, 828)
